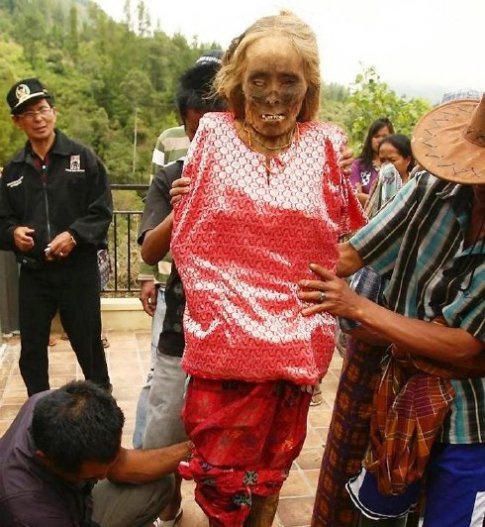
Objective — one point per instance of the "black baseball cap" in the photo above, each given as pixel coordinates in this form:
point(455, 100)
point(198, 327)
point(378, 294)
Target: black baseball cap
point(24, 92)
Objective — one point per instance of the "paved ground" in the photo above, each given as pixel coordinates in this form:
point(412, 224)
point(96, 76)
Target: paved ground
point(128, 357)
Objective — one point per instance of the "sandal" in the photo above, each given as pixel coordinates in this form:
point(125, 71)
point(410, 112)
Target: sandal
point(169, 523)
point(317, 398)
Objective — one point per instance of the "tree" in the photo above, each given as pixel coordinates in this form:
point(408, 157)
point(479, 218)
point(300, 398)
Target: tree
point(127, 14)
point(144, 22)
point(372, 98)
point(73, 42)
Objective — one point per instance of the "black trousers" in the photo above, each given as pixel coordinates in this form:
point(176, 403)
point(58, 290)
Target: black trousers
point(71, 287)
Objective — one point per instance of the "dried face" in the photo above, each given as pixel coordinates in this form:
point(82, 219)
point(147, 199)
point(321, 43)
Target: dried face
point(274, 86)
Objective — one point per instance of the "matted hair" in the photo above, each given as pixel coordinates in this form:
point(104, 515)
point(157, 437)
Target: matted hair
point(228, 82)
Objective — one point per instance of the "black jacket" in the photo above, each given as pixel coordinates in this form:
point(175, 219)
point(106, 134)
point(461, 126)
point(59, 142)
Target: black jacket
point(72, 194)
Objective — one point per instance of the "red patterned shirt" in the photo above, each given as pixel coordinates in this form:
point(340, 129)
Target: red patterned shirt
point(243, 239)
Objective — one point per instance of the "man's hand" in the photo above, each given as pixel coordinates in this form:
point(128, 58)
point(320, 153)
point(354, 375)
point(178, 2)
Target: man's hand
point(23, 238)
point(60, 247)
point(331, 294)
point(180, 187)
point(346, 159)
point(148, 296)
point(139, 465)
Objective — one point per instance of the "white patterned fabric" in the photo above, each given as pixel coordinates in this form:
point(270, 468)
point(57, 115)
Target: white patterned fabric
point(242, 239)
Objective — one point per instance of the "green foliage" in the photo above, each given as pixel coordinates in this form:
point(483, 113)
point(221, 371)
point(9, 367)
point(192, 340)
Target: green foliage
point(111, 78)
point(106, 76)
point(11, 57)
point(333, 104)
point(372, 98)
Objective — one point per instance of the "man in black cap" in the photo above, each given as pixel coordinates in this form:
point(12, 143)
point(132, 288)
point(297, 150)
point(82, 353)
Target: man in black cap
point(55, 209)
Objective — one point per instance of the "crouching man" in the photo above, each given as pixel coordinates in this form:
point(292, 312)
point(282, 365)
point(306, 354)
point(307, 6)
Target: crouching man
point(60, 444)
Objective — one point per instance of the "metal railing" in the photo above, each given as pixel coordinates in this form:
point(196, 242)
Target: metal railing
point(123, 248)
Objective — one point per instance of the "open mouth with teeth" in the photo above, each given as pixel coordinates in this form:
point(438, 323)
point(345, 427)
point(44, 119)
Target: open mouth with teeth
point(272, 117)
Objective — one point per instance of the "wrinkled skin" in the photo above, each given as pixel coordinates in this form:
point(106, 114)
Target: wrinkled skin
point(274, 88)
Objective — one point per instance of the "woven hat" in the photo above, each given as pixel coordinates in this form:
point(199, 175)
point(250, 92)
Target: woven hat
point(449, 141)
point(463, 93)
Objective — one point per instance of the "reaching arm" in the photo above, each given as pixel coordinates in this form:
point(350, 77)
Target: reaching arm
point(346, 158)
point(156, 243)
point(142, 466)
point(349, 260)
point(157, 221)
point(435, 341)
point(370, 337)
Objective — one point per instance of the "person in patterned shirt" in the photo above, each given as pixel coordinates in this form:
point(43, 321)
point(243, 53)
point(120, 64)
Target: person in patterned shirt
point(430, 245)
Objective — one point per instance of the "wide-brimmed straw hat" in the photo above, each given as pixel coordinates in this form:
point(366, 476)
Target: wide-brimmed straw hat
point(449, 141)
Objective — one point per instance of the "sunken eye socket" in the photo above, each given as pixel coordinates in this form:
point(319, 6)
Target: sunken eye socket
point(287, 81)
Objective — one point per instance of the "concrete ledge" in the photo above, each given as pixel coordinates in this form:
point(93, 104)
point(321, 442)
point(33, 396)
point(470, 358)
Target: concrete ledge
point(124, 314)
point(119, 314)
point(121, 304)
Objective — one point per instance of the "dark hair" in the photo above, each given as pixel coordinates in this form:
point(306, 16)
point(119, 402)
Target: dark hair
point(79, 422)
point(366, 155)
point(195, 89)
point(402, 144)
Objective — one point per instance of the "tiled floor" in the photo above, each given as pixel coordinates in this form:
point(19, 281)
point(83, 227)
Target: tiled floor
point(128, 357)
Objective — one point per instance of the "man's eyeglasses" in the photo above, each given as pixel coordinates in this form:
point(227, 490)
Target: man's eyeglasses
point(30, 115)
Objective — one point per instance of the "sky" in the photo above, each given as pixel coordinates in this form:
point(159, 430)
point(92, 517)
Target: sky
point(419, 47)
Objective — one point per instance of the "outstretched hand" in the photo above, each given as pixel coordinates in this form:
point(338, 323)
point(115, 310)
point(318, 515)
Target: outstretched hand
point(329, 294)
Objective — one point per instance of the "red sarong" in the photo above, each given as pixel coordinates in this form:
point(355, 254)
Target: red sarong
point(246, 437)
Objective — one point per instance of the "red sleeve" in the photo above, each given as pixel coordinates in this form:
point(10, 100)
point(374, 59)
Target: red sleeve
point(340, 197)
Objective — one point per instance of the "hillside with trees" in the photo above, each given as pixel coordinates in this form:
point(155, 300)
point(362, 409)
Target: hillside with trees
point(114, 82)
point(109, 78)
